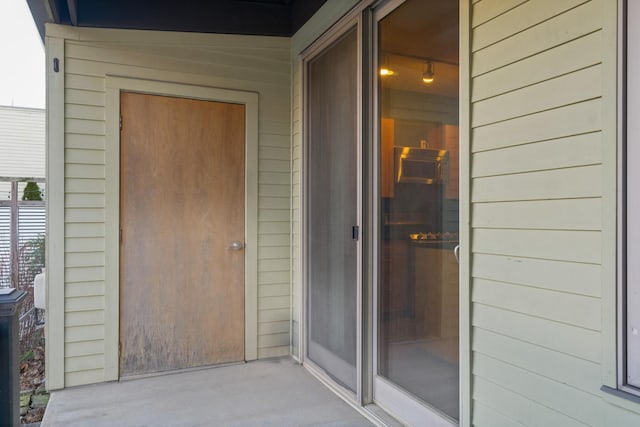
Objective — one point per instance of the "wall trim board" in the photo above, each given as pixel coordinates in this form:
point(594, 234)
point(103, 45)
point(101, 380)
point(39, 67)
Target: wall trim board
point(116, 84)
point(610, 112)
point(55, 279)
point(465, 215)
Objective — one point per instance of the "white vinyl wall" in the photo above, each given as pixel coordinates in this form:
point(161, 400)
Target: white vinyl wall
point(22, 136)
point(22, 145)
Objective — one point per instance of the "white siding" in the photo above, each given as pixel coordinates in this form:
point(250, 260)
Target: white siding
point(249, 63)
point(538, 216)
point(22, 140)
point(22, 136)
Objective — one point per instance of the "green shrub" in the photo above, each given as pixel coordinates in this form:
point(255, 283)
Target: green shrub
point(32, 192)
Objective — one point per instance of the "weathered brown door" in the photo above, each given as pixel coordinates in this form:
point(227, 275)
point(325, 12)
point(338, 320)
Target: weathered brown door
point(181, 207)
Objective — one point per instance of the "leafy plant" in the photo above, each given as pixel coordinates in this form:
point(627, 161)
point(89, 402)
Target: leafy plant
point(32, 254)
point(27, 355)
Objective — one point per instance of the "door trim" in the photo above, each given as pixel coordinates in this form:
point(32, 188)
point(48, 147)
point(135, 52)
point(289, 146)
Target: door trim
point(114, 85)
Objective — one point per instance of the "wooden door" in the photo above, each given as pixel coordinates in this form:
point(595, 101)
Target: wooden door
point(181, 206)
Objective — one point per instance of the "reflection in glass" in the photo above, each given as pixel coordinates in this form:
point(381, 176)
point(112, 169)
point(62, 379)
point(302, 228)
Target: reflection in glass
point(418, 286)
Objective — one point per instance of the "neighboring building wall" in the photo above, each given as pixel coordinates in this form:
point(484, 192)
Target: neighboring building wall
point(328, 15)
point(22, 154)
point(22, 136)
point(543, 213)
point(248, 63)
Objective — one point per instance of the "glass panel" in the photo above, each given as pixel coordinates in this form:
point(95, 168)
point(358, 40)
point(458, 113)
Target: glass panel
point(418, 287)
point(332, 209)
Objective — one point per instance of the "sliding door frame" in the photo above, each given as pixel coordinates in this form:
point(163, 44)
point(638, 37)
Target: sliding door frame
point(364, 17)
point(385, 393)
point(348, 23)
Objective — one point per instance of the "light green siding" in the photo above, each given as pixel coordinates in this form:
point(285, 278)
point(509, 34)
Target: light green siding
point(541, 145)
point(246, 63)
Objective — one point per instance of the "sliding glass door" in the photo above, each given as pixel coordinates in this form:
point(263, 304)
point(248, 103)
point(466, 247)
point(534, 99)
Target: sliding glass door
point(410, 324)
point(332, 209)
point(417, 369)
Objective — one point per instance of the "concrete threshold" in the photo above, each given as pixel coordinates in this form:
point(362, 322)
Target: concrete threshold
point(273, 392)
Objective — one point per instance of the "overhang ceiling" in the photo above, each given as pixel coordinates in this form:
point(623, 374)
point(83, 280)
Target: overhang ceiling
point(254, 17)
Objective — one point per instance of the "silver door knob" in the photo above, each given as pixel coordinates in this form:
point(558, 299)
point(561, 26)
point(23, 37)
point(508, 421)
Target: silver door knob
point(456, 252)
point(236, 245)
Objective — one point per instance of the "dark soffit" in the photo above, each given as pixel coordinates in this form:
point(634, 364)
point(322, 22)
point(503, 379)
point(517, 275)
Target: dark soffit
point(252, 17)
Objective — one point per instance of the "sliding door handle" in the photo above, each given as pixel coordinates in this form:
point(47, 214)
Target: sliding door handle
point(456, 253)
point(355, 232)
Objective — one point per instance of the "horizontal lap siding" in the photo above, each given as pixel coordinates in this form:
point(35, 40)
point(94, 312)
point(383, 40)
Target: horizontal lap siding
point(536, 190)
point(259, 64)
point(22, 143)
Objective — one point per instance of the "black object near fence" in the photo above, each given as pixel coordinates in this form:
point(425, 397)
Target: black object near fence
point(10, 301)
point(22, 243)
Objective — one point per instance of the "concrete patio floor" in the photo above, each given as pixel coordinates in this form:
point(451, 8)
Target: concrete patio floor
point(275, 392)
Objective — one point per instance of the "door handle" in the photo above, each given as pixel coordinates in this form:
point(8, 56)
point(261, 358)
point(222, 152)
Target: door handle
point(456, 253)
point(236, 245)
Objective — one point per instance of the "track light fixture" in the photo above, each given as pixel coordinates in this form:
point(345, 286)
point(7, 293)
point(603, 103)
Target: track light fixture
point(385, 70)
point(428, 76)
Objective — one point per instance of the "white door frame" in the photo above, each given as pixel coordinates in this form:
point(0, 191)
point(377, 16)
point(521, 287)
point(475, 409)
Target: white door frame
point(116, 84)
